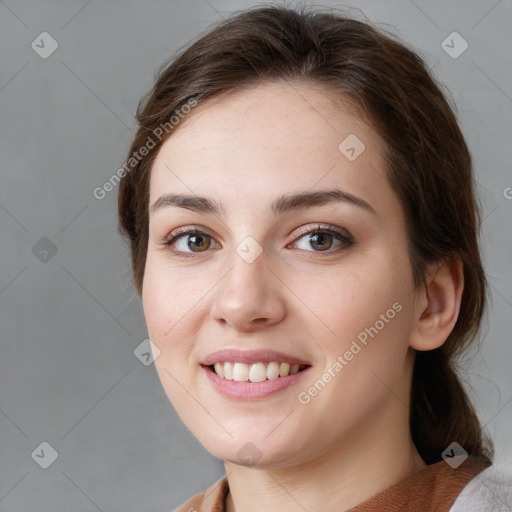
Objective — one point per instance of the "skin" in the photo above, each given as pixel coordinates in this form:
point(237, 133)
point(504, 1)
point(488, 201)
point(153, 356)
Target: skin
point(244, 150)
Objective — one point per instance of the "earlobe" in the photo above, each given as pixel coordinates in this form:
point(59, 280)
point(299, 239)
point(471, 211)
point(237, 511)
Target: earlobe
point(438, 305)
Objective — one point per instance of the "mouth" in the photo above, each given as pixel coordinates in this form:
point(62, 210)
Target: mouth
point(256, 372)
point(252, 374)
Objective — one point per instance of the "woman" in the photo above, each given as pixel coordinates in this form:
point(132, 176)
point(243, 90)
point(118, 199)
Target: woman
point(303, 232)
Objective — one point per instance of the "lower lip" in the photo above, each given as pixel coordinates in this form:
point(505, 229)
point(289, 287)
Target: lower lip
point(251, 390)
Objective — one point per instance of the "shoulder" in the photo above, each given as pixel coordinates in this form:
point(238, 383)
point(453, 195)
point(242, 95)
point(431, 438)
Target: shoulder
point(489, 490)
point(211, 500)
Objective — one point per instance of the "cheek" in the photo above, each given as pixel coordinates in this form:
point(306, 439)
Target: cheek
point(163, 308)
point(165, 299)
point(365, 359)
point(349, 301)
point(174, 313)
point(368, 314)
point(162, 313)
point(157, 308)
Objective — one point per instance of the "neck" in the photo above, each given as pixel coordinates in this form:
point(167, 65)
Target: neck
point(360, 466)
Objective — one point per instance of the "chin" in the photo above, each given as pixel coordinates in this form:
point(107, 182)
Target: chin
point(257, 452)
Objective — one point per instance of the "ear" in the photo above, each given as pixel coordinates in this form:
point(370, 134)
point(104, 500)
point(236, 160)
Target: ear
point(438, 304)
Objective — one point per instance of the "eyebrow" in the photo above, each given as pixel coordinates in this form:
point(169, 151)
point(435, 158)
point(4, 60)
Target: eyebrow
point(283, 204)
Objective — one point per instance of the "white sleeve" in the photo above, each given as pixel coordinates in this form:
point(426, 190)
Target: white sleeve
point(489, 491)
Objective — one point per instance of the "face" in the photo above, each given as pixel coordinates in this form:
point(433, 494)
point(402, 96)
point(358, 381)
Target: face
point(299, 257)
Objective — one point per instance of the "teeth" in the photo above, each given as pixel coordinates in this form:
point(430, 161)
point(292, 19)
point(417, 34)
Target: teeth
point(273, 370)
point(228, 371)
point(256, 372)
point(294, 369)
point(219, 369)
point(240, 372)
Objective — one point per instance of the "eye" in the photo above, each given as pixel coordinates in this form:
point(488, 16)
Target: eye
point(189, 241)
point(322, 239)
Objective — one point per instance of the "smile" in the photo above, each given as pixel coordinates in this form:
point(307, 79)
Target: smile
point(249, 374)
point(256, 372)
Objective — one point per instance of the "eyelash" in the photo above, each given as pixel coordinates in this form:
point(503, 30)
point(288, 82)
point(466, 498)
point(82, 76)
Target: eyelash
point(345, 239)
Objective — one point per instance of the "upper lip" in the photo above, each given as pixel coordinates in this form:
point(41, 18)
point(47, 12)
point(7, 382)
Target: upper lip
point(250, 356)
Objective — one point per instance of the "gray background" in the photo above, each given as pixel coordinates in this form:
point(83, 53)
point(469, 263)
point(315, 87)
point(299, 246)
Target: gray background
point(69, 322)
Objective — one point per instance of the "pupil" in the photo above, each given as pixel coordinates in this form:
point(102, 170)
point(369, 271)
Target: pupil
point(321, 239)
point(198, 241)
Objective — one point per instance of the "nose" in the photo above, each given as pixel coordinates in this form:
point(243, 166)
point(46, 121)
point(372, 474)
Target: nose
point(250, 297)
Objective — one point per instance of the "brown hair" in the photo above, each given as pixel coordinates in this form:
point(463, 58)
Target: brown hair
point(428, 166)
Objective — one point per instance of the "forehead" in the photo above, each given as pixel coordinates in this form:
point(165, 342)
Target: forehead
point(271, 137)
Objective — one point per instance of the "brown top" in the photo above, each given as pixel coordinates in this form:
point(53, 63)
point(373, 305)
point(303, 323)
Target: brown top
point(433, 488)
